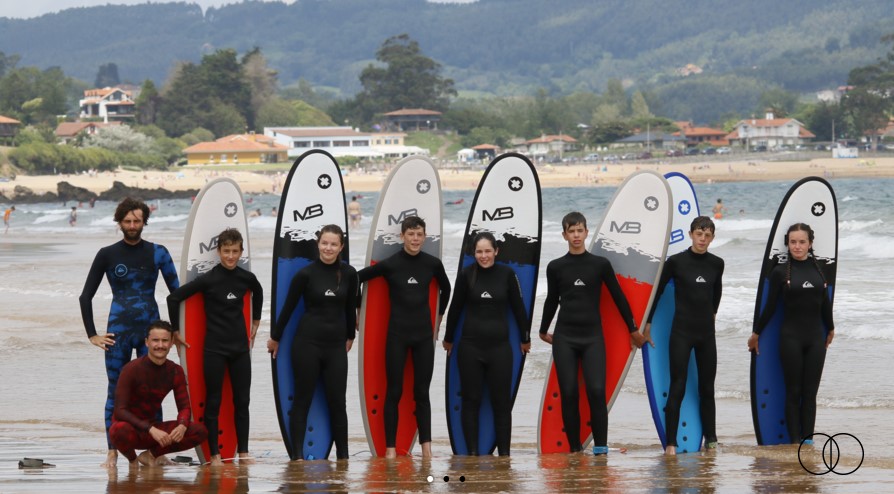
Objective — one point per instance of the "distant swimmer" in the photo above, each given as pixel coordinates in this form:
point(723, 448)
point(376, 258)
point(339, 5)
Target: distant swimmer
point(458, 201)
point(255, 213)
point(6, 216)
point(718, 209)
point(73, 216)
point(354, 212)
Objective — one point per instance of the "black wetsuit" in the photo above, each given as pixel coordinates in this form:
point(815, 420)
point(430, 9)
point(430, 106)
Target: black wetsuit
point(132, 271)
point(226, 342)
point(409, 330)
point(575, 281)
point(802, 338)
point(485, 356)
point(698, 280)
point(329, 321)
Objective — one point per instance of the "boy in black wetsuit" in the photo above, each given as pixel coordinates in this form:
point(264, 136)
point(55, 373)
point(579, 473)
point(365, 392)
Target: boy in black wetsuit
point(409, 274)
point(698, 277)
point(227, 347)
point(575, 281)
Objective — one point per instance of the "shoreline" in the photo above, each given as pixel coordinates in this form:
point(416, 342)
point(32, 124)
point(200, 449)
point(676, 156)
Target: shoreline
point(560, 175)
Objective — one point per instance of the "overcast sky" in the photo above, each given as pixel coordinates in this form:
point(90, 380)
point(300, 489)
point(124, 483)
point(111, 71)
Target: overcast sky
point(33, 8)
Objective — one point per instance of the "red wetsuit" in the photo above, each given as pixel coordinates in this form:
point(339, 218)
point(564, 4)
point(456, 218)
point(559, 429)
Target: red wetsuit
point(141, 389)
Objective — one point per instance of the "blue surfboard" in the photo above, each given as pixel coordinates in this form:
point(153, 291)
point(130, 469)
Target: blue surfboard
point(812, 201)
point(508, 205)
point(313, 196)
point(656, 361)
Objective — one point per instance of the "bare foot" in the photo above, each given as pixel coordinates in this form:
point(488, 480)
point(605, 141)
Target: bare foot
point(133, 466)
point(670, 451)
point(146, 459)
point(111, 459)
point(245, 458)
point(163, 461)
point(426, 450)
point(390, 452)
point(216, 461)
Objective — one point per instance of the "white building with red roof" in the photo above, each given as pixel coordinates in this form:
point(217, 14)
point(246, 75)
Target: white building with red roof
point(109, 103)
point(770, 132)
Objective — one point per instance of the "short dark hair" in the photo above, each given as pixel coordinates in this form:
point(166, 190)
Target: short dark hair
point(127, 205)
point(702, 223)
point(573, 218)
point(160, 324)
point(411, 222)
point(229, 236)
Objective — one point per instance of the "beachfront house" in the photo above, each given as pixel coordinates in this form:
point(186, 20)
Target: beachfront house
point(111, 104)
point(770, 132)
point(407, 119)
point(696, 136)
point(337, 141)
point(392, 146)
point(9, 127)
point(237, 149)
point(651, 140)
point(551, 144)
point(68, 131)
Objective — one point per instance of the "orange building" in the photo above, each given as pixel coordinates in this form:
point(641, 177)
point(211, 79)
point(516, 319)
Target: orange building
point(235, 149)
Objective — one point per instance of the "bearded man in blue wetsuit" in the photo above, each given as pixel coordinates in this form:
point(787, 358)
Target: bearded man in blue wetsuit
point(131, 265)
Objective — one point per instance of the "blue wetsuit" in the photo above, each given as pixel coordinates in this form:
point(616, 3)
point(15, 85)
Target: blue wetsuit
point(132, 271)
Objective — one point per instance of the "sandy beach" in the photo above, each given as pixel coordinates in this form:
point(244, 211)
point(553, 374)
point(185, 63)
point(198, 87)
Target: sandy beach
point(571, 175)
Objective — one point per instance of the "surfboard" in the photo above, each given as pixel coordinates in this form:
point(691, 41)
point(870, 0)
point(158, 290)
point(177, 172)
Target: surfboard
point(313, 196)
point(656, 361)
point(508, 205)
point(811, 200)
point(412, 188)
point(218, 206)
point(633, 236)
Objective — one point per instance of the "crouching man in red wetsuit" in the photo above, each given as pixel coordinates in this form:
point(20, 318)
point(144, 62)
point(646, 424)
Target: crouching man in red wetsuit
point(142, 387)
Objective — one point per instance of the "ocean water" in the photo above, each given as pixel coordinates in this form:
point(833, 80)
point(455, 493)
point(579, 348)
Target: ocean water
point(53, 383)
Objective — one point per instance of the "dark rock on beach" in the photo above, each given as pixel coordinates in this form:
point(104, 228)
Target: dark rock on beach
point(119, 191)
point(67, 192)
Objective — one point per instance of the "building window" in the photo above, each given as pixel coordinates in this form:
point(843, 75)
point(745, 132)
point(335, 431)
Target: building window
point(360, 143)
point(301, 144)
point(322, 144)
point(341, 144)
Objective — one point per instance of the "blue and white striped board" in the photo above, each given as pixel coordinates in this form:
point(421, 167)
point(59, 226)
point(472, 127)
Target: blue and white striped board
point(656, 361)
point(812, 201)
point(508, 205)
point(313, 196)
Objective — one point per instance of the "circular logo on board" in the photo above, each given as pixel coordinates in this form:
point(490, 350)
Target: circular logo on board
point(684, 207)
point(231, 209)
point(120, 270)
point(423, 186)
point(324, 181)
point(516, 184)
point(818, 209)
point(651, 203)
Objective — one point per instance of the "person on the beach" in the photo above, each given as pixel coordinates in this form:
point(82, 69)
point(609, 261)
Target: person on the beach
point(718, 209)
point(354, 212)
point(698, 277)
point(800, 285)
point(409, 273)
point(142, 387)
point(73, 216)
point(6, 215)
point(575, 281)
point(227, 346)
point(323, 339)
point(486, 290)
point(131, 265)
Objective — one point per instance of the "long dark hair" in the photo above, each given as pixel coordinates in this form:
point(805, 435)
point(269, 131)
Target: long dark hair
point(802, 227)
point(333, 228)
point(479, 237)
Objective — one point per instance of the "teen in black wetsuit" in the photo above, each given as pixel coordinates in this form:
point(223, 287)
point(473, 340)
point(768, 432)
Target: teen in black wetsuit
point(227, 347)
point(132, 266)
point(575, 281)
point(801, 284)
point(323, 339)
point(409, 274)
point(485, 290)
point(698, 277)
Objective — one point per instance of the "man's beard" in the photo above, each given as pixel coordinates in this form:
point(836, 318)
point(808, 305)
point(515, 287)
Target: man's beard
point(133, 235)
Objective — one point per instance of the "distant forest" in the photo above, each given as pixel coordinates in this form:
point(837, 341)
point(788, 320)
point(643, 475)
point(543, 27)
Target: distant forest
point(736, 49)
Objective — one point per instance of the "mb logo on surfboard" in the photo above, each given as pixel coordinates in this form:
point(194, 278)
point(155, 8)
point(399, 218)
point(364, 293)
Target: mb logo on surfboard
point(210, 246)
point(396, 220)
point(633, 227)
point(501, 213)
point(309, 212)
